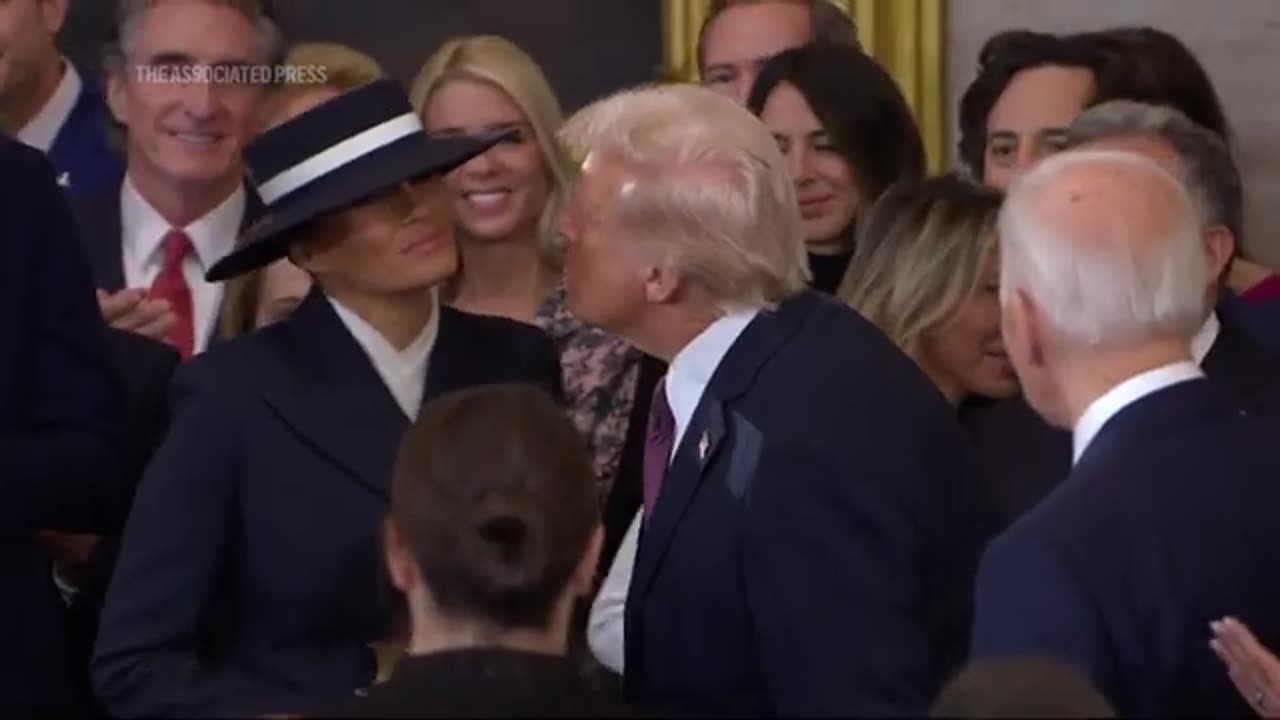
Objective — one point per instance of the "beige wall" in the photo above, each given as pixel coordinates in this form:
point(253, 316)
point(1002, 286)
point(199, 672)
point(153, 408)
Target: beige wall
point(1237, 40)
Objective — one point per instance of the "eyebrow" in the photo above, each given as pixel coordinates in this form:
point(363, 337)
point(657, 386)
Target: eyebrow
point(177, 57)
point(1002, 135)
point(488, 128)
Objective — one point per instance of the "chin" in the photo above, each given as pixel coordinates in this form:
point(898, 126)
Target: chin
point(489, 229)
point(196, 171)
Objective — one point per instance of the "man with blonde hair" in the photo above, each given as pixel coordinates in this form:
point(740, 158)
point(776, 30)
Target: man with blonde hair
point(799, 551)
point(1168, 512)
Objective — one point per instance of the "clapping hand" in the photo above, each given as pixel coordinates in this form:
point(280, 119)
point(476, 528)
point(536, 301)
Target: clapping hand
point(1253, 669)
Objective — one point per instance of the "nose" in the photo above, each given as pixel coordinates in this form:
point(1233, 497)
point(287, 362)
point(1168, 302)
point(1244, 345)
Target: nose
point(200, 100)
point(800, 161)
point(481, 165)
point(742, 87)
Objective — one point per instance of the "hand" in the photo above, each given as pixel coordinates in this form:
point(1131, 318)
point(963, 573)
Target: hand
point(132, 311)
point(1254, 671)
point(70, 552)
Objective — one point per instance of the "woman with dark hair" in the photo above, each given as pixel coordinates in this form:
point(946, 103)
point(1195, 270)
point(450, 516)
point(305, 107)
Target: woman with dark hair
point(1029, 87)
point(849, 134)
point(250, 579)
point(491, 549)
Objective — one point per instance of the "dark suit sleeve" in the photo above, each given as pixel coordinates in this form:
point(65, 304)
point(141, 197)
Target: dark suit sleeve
point(154, 625)
point(1029, 603)
point(545, 362)
point(831, 580)
point(61, 466)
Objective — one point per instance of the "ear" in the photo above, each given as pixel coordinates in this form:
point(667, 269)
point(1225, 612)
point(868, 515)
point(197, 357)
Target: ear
point(661, 283)
point(1021, 327)
point(401, 566)
point(118, 96)
point(52, 14)
point(1220, 247)
point(584, 577)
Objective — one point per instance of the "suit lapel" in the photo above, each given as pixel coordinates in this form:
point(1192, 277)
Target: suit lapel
point(333, 398)
point(98, 221)
point(702, 443)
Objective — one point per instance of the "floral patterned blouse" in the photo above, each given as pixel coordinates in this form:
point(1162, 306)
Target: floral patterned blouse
point(599, 372)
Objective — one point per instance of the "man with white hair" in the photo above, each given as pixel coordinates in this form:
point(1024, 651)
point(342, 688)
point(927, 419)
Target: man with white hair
point(804, 547)
point(1023, 458)
point(1167, 519)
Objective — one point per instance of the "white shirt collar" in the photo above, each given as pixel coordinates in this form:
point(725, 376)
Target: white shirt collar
point(1125, 394)
point(42, 130)
point(1203, 341)
point(692, 368)
point(213, 234)
point(404, 372)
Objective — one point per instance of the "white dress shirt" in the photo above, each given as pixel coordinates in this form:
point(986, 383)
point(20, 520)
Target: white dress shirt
point(1135, 388)
point(1202, 343)
point(1124, 395)
point(213, 235)
point(403, 371)
point(687, 378)
point(41, 131)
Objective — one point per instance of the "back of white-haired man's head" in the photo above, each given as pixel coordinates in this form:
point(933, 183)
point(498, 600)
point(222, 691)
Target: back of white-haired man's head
point(704, 190)
point(1101, 277)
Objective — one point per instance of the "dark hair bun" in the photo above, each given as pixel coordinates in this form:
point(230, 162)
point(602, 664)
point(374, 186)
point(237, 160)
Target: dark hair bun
point(508, 548)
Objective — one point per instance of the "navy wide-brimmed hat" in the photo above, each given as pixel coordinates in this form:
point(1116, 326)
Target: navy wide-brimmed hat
point(337, 154)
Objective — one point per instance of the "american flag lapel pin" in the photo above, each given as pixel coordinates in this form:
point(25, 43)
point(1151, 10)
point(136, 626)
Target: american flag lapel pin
point(704, 444)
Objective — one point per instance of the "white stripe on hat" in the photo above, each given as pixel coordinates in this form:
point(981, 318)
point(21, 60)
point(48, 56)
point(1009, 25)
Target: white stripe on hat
point(334, 157)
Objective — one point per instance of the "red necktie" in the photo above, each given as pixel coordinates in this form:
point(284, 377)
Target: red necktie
point(657, 446)
point(171, 285)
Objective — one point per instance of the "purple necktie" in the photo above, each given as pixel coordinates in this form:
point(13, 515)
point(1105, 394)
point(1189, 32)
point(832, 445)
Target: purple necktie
point(657, 446)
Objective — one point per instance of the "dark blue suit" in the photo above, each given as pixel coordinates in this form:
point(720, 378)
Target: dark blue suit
point(1167, 522)
point(1024, 458)
point(57, 396)
point(251, 576)
point(818, 558)
point(81, 152)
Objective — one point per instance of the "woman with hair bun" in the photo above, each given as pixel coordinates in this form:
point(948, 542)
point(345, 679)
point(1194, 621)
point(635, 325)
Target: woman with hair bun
point(493, 535)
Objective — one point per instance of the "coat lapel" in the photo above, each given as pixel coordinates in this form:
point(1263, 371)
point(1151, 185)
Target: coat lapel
point(702, 443)
point(332, 396)
point(98, 222)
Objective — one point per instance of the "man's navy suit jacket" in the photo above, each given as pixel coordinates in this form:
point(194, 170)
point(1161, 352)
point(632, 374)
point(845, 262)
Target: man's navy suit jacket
point(813, 547)
point(58, 395)
point(1166, 523)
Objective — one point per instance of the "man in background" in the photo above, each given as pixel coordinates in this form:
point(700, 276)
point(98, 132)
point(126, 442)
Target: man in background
point(44, 101)
point(182, 202)
point(738, 36)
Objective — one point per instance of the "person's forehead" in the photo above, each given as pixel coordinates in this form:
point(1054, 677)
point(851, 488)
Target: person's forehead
point(1051, 94)
point(207, 31)
point(1153, 148)
point(756, 31)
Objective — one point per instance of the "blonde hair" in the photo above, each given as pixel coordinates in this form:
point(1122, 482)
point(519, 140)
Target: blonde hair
point(921, 255)
point(498, 62)
point(707, 191)
point(345, 68)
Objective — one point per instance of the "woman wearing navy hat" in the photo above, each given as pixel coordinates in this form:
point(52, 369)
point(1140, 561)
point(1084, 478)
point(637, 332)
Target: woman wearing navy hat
point(250, 580)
